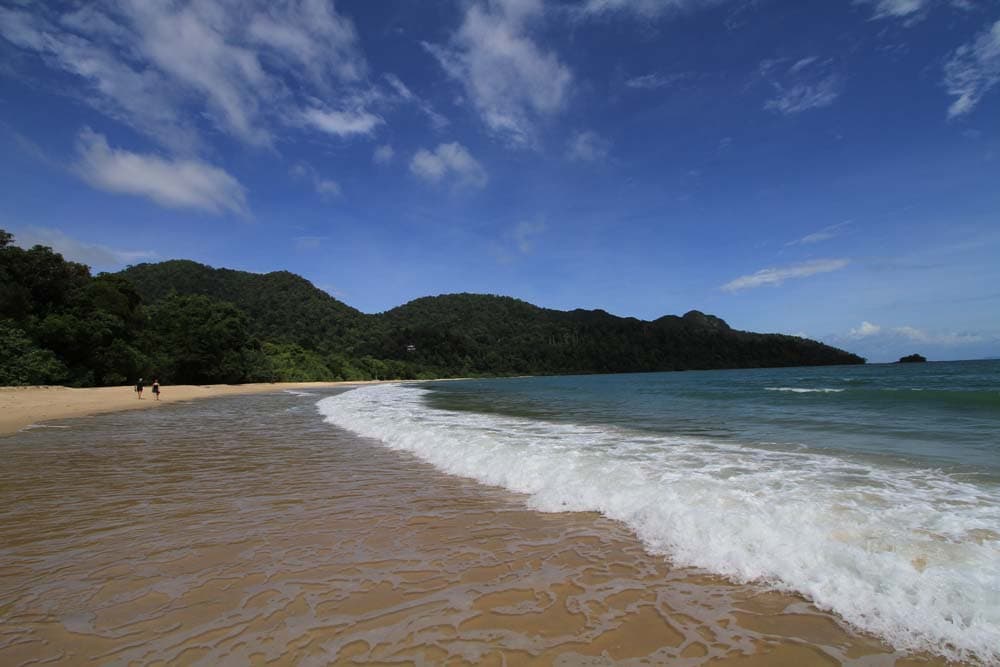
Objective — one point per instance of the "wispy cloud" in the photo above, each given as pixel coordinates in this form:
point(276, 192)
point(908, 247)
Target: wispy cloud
point(309, 242)
point(322, 185)
point(825, 234)
point(164, 67)
point(645, 8)
point(341, 123)
point(807, 83)
point(656, 80)
point(905, 9)
point(587, 146)
point(778, 275)
point(438, 121)
point(511, 80)
point(176, 183)
point(518, 240)
point(92, 254)
point(448, 162)
point(383, 154)
point(973, 70)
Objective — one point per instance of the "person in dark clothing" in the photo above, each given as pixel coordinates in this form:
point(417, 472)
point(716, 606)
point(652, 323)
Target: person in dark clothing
point(138, 388)
point(156, 389)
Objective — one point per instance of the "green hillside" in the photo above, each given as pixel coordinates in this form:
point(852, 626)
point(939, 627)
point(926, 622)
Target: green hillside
point(183, 322)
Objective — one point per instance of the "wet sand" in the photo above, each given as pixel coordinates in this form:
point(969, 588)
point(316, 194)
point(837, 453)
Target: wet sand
point(22, 407)
point(249, 532)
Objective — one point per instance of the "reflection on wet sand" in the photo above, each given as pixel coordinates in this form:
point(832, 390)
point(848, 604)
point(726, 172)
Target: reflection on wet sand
point(246, 531)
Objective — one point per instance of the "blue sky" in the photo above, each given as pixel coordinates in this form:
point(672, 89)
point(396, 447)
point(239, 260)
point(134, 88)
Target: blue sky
point(825, 168)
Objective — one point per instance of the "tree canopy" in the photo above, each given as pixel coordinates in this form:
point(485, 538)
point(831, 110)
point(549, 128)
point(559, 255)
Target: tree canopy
point(185, 322)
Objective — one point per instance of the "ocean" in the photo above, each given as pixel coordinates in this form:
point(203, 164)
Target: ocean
point(873, 491)
point(827, 516)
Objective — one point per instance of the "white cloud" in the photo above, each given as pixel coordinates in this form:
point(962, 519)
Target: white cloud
point(311, 34)
point(92, 254)
point(920, 336)
point(448, 160)
point(646, 8)
point(383, 154)
point(808, 83)
point(973, 70)
point(896, 8)
point(524, 234)
point(162, 67)
point(825, 234)
point(778, 275)
point(175, 183)
point(912, 335)
point(341, 123)
point(910, 12)
point(324, 186)
point(511, 80)
point(587, 146)
point(866, 329)
point(655, 80)
point(438, 122)
point(140, 97)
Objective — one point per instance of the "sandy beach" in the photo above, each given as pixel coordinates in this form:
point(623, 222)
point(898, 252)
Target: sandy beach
point(250, 532)
point(21, 407)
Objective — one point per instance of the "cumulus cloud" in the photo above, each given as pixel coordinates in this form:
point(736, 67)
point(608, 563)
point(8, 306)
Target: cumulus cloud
point(587, 146)
point(383, 154)
point(448, 161)
point(866, 329)
point(973, 70)
point(161, 67)
point(341, 123)
point(92, 254)
point(778, 275)
point(177, 183)
point(808, 83)
point(510, 79)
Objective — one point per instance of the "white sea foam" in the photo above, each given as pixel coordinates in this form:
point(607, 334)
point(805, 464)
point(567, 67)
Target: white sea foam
point(805, 390)
point(912, 555)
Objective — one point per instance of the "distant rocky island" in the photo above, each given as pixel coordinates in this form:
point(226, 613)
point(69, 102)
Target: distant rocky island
point(912, 359)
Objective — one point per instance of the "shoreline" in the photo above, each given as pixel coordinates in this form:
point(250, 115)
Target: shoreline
point(21, 407)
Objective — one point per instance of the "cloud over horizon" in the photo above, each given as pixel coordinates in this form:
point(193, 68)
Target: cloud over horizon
point(91, 254)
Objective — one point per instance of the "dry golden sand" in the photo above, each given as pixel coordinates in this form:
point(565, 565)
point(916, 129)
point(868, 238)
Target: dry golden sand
point(250, 533)
point(25, 406)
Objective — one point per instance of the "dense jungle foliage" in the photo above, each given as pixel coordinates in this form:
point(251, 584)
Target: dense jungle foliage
point(184, 322)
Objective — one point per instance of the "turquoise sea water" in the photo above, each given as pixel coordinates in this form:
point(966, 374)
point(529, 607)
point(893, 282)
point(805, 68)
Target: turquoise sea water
point(872, 490)
point(944, 415)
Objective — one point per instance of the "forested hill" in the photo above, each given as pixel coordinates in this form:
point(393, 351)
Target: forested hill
point(472, 334)
point(184, 322)
point(495, 334)
point(280, 305)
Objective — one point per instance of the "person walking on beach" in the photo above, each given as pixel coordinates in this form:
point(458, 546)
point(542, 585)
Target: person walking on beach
point(138, 388)
point(156, 389)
